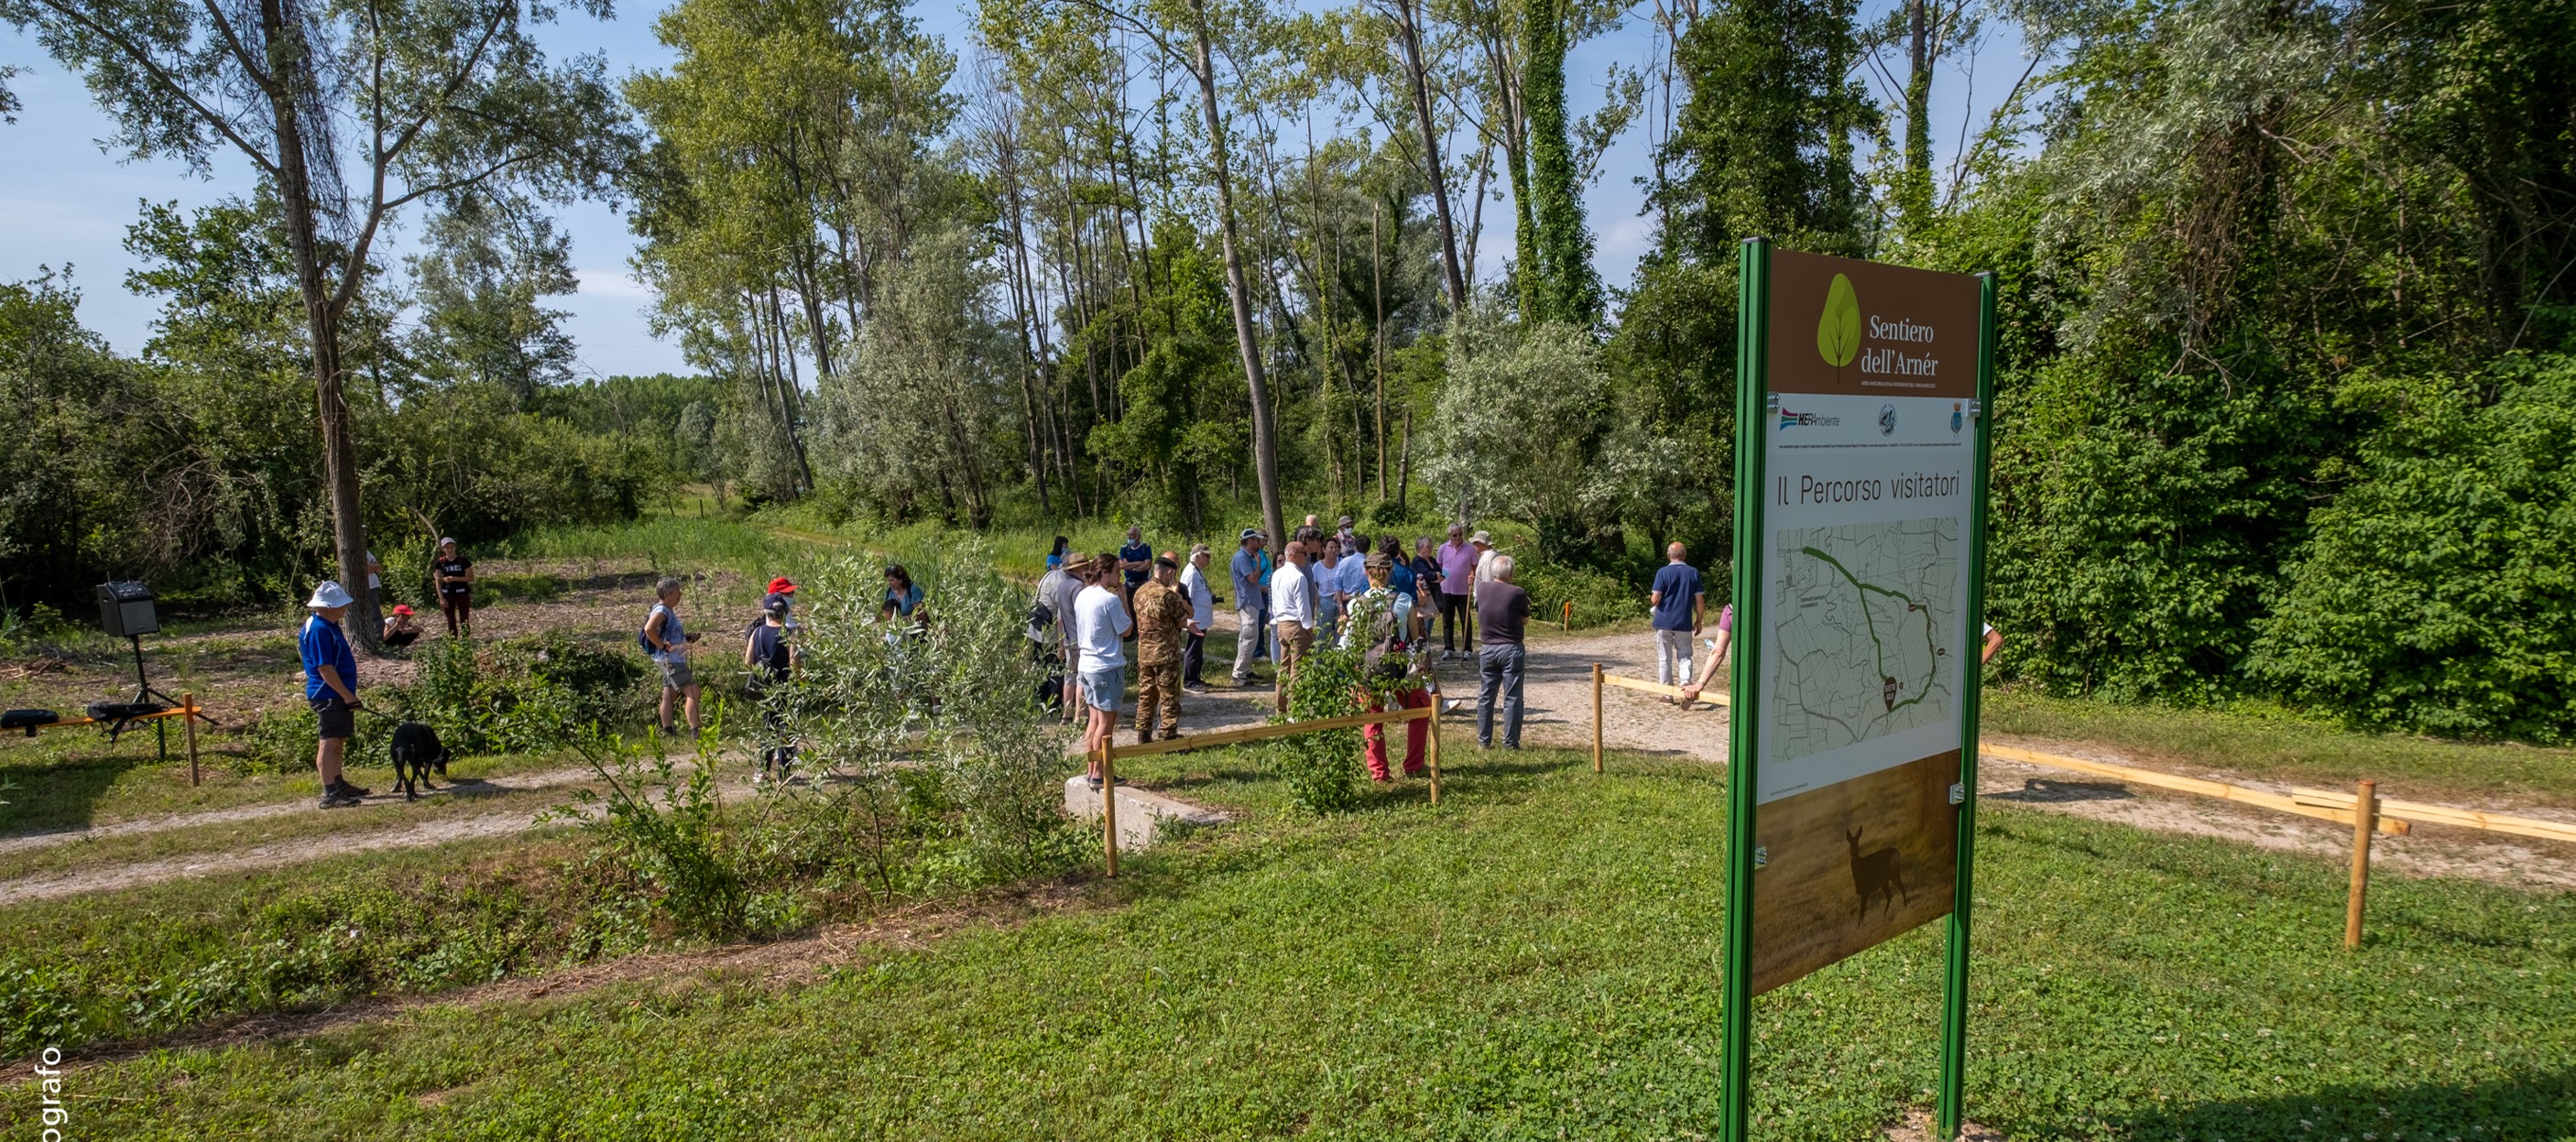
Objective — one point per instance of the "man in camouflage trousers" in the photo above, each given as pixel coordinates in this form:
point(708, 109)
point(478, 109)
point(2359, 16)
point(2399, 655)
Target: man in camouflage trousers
point(1162, 630)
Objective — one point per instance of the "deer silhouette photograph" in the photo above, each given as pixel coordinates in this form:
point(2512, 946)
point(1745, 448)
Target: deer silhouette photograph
point(1877, 873)
point(1852, 864)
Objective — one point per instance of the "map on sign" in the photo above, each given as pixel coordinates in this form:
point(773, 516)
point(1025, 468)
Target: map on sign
point(1863, 619)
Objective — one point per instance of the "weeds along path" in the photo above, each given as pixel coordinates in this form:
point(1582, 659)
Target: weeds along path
point(1558, 693)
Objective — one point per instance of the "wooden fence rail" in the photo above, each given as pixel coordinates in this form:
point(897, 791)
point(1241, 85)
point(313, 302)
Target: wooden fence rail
point(2364, 810)
point(1110, 751)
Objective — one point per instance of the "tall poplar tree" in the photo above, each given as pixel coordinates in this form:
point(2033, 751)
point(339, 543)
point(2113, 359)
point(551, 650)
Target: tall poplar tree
point(349, 113)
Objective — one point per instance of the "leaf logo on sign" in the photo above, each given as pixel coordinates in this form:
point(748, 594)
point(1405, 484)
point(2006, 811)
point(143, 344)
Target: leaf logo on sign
point(1838, 331)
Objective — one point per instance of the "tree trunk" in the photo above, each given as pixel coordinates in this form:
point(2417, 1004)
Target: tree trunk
point(1409, 38)
point(1377, 294)
point(1914, 201)
point(1265, 440)
point(322, 325)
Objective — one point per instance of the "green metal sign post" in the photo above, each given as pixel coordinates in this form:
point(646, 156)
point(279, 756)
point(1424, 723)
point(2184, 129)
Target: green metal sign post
point(1735, 1051)
point(1949, 1112)
point(1858, 587)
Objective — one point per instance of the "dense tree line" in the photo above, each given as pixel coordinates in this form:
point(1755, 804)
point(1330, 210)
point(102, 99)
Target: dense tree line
point(2287, 311)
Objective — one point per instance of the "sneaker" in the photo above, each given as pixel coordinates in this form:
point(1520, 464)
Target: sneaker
point(1091, 781)
point(352, 792)
point(331, 799)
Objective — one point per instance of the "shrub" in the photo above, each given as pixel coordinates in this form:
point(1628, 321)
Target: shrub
point(1322, 770)
point(1599, 599)
point(660, 824)
point(2437, 592)
point(534, 693)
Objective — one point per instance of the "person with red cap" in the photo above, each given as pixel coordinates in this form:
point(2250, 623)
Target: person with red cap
point(400, 630)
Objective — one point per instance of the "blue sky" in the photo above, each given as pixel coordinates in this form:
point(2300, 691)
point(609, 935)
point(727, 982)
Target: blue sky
point(70, 204)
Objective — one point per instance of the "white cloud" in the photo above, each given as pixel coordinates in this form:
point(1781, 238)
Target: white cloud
point(612, 284)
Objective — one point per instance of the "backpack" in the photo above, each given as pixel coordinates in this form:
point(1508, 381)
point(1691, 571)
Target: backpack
point(642, 642)
point(1386, 659)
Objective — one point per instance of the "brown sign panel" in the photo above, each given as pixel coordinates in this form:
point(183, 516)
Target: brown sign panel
point(1870, 329)
point(1851, 864)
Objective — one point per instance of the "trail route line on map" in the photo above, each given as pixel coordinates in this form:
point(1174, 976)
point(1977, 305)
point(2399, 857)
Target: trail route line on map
point(1863, 620)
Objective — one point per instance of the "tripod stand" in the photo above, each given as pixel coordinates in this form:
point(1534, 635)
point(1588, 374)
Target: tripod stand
point(143, 692)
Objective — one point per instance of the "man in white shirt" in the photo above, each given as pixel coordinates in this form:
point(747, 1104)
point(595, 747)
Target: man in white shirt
point(1101, 627)
point(1292, 618)
point(1202, 600)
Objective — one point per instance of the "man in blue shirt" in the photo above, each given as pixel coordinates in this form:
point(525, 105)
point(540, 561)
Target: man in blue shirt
point(1137, 560)
point(1251, 612)
point(331, 688)
point(1679, 607)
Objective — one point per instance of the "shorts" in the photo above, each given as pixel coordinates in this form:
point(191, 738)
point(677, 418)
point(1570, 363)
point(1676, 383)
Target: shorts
point(676, 674)
point(338, 722)
point(1101, 688)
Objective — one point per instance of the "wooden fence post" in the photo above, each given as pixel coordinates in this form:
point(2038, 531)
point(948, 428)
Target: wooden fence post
point(1596, 717)
point(1109, 798)
point(1433, 715)
point(188, 703)
point(2365, 816)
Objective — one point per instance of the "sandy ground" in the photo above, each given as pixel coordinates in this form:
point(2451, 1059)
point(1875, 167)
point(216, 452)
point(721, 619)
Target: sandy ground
point(1559, 702)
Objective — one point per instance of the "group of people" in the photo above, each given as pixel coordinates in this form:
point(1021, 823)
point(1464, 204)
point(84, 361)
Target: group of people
point(1089, 608)
point(1337, 587)
point(1334, 586)
point(451, 580)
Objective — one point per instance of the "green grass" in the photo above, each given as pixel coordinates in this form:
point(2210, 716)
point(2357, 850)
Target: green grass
point(1536, 958)
point(662, 542)
point(2287, 747)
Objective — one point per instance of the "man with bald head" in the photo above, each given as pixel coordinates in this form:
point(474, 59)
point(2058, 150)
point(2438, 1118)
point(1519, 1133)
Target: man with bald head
point(1679, 607)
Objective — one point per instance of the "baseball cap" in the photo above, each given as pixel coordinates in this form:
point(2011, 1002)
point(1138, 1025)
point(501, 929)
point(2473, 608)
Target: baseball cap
point(446, 541)
point(1251, 533)
point(783, 585)
point(775, 604)
point(402, 609)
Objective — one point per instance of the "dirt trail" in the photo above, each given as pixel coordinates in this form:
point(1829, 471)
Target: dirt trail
point(514, 783)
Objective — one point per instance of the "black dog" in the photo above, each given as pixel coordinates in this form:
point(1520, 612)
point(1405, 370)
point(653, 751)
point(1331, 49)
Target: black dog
point(416, 751)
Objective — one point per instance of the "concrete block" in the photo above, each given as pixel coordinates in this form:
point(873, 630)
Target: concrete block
point(1140, 812)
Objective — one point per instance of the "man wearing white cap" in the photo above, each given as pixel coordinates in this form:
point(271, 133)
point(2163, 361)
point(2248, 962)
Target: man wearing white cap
point(331, 687)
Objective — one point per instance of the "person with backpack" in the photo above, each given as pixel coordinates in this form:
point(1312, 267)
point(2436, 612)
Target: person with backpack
point(771, 660)
point(1046, 644)
point(1381, 624)
point(667, 644)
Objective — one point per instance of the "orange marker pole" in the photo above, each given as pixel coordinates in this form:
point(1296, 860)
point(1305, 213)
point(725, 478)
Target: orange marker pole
point(188, 703)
